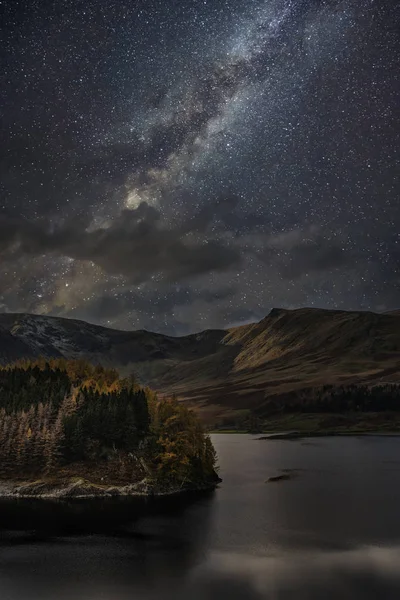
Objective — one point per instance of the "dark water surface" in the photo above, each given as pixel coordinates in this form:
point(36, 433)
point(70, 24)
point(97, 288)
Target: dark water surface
point(332, 531)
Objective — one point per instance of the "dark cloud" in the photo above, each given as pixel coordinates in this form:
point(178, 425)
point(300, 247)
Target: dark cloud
point(299, 252)
point(135, 245)
point(112, 306)
point(311, 256)
point(223, 211)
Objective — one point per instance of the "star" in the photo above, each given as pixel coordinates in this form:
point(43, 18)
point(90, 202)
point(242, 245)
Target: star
point(181, 166)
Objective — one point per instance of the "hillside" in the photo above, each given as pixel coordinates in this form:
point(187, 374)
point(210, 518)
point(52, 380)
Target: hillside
point(150, 355)
point(223, 371)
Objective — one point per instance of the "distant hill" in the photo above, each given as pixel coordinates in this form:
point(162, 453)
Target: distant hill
point(220, 371)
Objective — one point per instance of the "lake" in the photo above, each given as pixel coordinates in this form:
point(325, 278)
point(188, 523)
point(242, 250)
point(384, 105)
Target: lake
point(331, 531)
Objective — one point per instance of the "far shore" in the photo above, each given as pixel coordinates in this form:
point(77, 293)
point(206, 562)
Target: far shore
point(292, 435)
point(286, 435)
point(297, 425)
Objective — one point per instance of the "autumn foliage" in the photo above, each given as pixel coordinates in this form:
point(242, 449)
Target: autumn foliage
point(58, 415)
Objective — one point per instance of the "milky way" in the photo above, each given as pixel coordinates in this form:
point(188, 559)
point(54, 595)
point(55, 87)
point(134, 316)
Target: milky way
point(179, 165)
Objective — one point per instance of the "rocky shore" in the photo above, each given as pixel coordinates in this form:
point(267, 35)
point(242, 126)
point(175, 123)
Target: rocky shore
point(82, 488)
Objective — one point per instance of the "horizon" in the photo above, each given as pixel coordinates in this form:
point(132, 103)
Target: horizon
point(178, 335)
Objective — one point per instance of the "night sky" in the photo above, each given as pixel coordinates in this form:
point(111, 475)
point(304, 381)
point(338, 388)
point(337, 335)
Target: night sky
point(177, 165)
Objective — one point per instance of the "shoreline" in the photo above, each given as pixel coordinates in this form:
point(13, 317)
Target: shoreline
point(292, 435)
point(83, 489)
point(321, 424)
point(306, 434)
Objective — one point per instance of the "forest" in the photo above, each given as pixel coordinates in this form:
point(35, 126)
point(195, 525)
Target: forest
point(60, 418)
point(337, 399)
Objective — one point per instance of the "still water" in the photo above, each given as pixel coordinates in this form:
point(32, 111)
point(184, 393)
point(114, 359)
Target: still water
point(331, 531)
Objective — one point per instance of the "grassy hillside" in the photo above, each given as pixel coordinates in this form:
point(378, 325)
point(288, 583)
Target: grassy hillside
point(293, 350)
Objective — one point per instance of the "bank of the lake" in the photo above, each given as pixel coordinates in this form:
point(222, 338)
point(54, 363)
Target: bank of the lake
point(82, 488)
point(324, 424)
point(58, 486)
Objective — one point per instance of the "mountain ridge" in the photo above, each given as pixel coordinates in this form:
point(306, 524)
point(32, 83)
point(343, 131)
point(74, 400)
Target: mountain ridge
point(220, 371)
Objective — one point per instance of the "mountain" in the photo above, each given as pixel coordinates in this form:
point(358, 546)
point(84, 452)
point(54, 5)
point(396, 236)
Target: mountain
point(220, 371)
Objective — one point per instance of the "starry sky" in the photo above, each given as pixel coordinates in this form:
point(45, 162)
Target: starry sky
point(177, 165)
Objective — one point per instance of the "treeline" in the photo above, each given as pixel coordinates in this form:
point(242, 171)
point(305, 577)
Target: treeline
point(62, 414)
point(78, 371)
point(337, 399)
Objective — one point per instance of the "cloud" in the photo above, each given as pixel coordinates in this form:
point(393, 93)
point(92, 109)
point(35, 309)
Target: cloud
point(168, 302)
point(308, 256)
point(301, 251)
point(136, 245)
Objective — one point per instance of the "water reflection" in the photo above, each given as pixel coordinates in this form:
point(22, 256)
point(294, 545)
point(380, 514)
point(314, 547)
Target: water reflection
point(118, 516)
point(366, 573)
point(332, 532)
point(118, 550)
point(148, 572)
